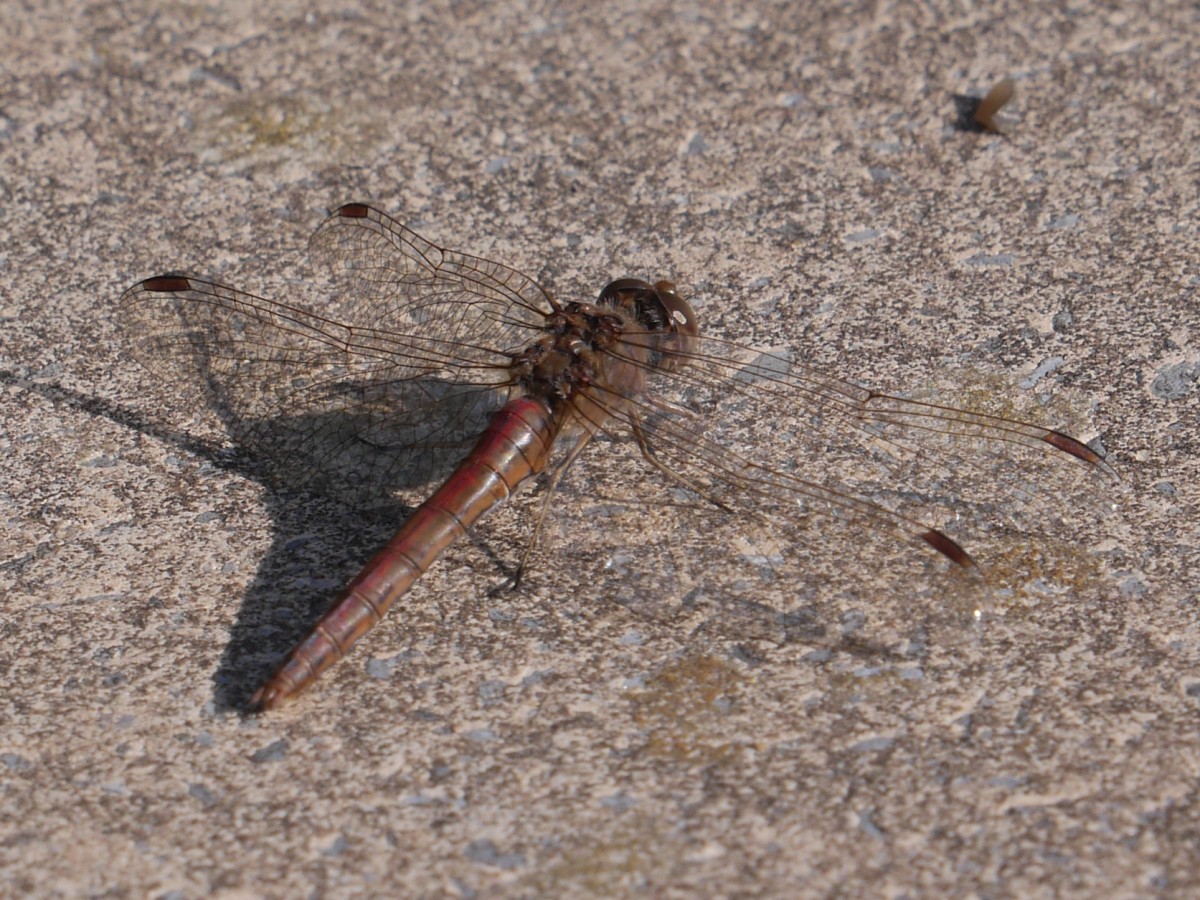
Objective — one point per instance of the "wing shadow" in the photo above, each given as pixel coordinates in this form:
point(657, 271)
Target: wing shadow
point(319, 541)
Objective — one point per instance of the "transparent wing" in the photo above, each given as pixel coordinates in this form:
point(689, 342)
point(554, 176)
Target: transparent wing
point(789, 492)
point(764, 424)
point(393, 279)
point(385, 389)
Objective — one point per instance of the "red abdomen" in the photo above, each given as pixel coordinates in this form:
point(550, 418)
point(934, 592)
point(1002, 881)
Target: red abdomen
point(515, 446)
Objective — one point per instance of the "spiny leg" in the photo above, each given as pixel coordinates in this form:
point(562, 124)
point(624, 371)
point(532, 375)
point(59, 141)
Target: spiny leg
point(556, 476)
point(651, 457)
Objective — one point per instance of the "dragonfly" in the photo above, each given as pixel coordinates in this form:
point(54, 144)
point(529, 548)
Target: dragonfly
point(428, 361)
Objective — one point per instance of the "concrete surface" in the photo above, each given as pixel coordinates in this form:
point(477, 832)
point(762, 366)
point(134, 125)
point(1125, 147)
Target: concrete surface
point(796, 168)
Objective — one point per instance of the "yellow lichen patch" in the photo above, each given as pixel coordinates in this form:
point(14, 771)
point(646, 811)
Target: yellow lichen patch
point(282, 121)
point(269, 126)
point(1036, 569)
point(259, 123)
point(683, 707)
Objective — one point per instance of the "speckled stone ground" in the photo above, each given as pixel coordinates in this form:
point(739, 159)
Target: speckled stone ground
point(795, 167)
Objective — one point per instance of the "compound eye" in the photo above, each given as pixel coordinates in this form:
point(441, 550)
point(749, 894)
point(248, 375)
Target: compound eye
point(621, 286)
point(680, 312)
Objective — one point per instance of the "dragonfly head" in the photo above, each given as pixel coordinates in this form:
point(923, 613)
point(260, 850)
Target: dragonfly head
point(668, 319)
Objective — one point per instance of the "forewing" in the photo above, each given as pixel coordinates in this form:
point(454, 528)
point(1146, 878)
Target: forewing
point(799, 505)
point(355, 411)
point(391, 277)
point(386, 386)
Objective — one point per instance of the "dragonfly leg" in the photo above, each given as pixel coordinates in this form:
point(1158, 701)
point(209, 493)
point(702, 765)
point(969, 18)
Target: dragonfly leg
point(514, 581)
point(669, 406)
point(651, 457)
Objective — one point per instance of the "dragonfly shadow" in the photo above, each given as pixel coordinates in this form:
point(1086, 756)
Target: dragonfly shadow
point(349, 439)
point(318, 545)
point(333, 479)
point(319, 540)
point(126, 417)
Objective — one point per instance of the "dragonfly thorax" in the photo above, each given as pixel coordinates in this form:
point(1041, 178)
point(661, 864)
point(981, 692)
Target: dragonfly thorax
point(567, 357)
